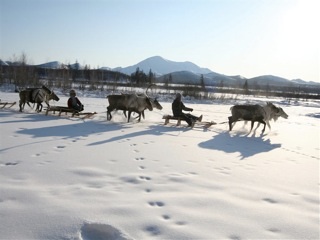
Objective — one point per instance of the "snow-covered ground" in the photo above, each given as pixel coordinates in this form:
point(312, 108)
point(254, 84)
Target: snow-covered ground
point(64, 178)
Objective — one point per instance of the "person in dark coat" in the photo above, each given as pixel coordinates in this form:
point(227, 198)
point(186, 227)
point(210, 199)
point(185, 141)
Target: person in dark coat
point(178, 106)
point(74, 102)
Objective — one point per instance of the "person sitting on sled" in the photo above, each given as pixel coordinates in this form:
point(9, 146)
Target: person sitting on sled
point(74, 102)
point(178, 106)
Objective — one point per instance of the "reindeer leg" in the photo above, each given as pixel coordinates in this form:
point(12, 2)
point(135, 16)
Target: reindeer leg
point(28, 104)
point(252, 123)
point(20, 105)
point(264, 125)
point(109, 110)
point(39, 107)
point(268, 123)
point(109, 116)
point(230, 123)
point(129, 114)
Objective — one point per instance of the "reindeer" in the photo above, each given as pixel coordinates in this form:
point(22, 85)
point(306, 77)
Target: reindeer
point(131, 103)
point(36, 95)
point(256, 113)
point(128, 102)
point(155, 104)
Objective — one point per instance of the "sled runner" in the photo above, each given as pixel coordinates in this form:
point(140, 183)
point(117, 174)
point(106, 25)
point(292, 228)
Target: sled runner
point(167, 118)
point(4, 104)
point(66, 110)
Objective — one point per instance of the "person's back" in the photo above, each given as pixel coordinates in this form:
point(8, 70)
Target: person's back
point(74, 102)
point(178, 106)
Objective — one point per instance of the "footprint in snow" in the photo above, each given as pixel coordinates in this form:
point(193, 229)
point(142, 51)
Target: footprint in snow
point(60, 147)
point(99, 231)
point(153, 230)
point(36, 155)
point(44, 162)
point(156, 204)
point(11, 163)
point(166, 217)
point(274, 230)
point(235, 237)
point(145, 178)
point(181, 223)
point(269, 200)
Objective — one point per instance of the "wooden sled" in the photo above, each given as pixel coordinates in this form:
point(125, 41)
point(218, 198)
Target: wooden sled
point(7, 104)
point(66, 110)
point(167, 119)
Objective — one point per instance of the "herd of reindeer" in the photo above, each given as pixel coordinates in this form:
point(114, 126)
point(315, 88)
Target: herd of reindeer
point(138, 103)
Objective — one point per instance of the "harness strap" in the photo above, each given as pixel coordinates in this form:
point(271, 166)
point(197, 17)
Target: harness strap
point(35, 97)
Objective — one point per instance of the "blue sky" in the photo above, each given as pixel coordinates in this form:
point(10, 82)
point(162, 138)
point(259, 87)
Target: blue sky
point(232, 37)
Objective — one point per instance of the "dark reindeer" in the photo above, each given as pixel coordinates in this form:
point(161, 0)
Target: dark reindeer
point(38, 96)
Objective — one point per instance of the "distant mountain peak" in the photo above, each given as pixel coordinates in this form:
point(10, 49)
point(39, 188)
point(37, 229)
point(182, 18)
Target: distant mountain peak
point(161, 66)
point(52, 65)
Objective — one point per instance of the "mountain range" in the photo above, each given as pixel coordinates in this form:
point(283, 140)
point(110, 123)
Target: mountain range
point(185, 73)
point(190, 73)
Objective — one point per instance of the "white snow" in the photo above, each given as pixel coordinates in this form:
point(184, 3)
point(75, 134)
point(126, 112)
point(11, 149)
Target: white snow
point(66, 178)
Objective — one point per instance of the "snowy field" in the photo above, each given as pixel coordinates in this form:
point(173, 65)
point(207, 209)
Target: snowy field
point(67, 178)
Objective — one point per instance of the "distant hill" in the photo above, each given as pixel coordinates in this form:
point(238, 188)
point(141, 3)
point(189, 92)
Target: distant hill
point(51, 65)
point(3, 63)
point(210, 79)
point(57, 65)
point(182, 77)
point(300, 81)
point(161, 66)
point(270, 80)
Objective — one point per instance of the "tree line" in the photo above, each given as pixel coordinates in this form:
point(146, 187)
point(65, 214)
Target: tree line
point(66, 77)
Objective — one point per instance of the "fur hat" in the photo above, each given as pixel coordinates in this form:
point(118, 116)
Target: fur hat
point(72, 92)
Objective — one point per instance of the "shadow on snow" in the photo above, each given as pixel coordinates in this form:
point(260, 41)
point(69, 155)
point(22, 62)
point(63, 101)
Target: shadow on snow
point(156, 130)
point(247, 146)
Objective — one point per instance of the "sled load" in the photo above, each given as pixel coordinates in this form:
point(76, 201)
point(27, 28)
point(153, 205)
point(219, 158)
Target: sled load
point(167, 118)
point(72, 112)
